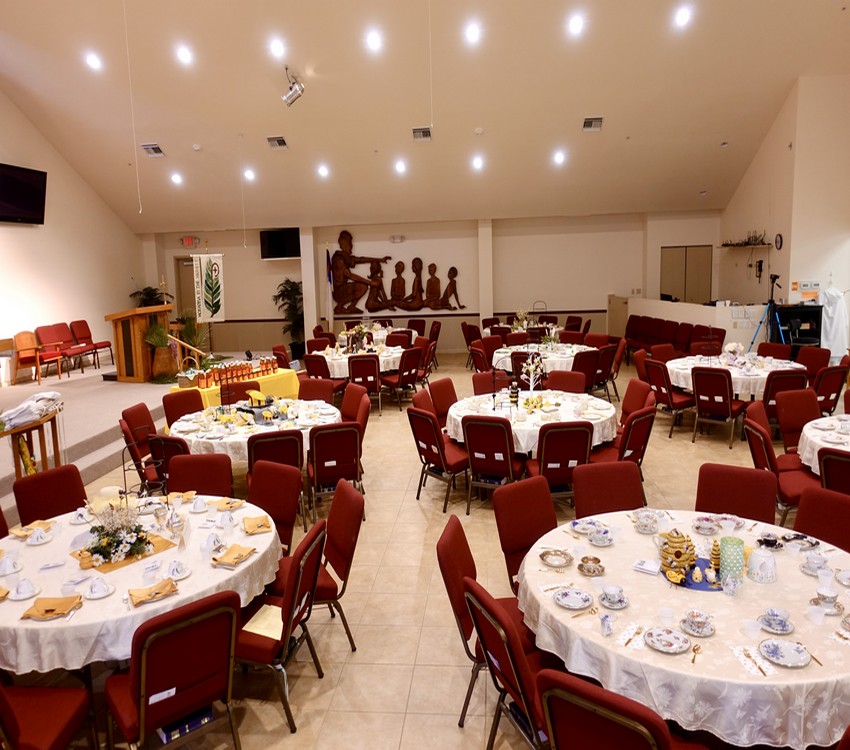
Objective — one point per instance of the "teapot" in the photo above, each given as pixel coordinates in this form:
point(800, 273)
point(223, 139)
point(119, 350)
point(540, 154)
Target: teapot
point(762, 566)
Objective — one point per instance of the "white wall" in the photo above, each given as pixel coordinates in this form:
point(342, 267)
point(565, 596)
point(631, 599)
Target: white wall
point(80, 263)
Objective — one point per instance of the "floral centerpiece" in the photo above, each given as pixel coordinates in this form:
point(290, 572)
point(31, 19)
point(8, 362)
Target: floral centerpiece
point(733, 351)
point(533, 370)
point(357, 336)
point(118, 535)
point(520, 319)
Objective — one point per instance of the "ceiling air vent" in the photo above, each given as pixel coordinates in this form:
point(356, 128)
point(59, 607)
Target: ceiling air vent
point(422, 134)
point(276, 141)
point(153, 150)
point(592, 124)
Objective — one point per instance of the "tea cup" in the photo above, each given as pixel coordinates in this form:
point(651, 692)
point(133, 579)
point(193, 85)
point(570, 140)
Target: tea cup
point(776, 617)
point(199, 505)
point(769, 539)
point(814, 561)
point(827, 597)
point(705, 526)
point(728, 527)
point(600, 536)
point(612, 593)
point(697, 619)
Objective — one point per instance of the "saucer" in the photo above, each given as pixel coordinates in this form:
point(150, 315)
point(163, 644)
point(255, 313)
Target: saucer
point(704, 632)
point(812, 571)
point(620, 603)
point(606, 541)
point(788, 627)
point(16, 597)
point(556, 558)
point(110, 589)
point(837, 607)
point(591, 569)
point(185, 574)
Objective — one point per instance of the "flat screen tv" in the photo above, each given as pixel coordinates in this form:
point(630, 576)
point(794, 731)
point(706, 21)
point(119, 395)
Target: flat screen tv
point(22, 193)
point(280, 243)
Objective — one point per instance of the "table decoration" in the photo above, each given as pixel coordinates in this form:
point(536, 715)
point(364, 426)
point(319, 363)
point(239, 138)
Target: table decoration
point(533, 371)
point(50, 608)
point(677, 555)
point(731, 558)
point(256, 525)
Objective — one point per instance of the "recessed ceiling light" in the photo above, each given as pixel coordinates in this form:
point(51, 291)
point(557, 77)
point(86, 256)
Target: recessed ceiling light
point(400, 166)
point(374, 41)
point(559, 157)
point(576, 24)
point(724, 144)
point(472, 32)
point(323, 170)
point(184, 54)
point(249, 175)
point(682, 17)
point(703, 193)
point(276, 48)
point(177, 178)
point(93, 61)
point(478, 163)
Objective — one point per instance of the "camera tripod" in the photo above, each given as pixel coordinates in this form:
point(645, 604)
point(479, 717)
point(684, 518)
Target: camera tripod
point(770, 317)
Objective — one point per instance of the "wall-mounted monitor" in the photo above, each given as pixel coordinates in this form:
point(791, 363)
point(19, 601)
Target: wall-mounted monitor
point(280, 243)
point(22, 194)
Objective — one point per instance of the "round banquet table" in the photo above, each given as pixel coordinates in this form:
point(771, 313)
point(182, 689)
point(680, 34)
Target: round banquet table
point(557, 407)
point(747, 383)
point(554, 356)
point(823, 433)
point(102, 630)
point(721, 692)
point(388, 357)
point(379, 335)
point(205, 435)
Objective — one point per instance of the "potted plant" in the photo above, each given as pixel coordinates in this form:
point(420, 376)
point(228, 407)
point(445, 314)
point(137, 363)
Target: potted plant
point(150, 296)
point(289, 299)
point(164, 365)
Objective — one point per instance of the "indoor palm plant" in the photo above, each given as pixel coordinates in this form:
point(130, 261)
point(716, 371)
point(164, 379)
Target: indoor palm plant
point(289, 299)
point(164, 364)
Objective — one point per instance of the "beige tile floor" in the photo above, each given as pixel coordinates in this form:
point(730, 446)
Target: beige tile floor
point(404, 686)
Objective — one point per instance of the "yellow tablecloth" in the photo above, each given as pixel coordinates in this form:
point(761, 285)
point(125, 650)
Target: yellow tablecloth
point(281, 384)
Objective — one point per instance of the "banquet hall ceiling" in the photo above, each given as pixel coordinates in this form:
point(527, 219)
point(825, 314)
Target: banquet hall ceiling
point(669, 97)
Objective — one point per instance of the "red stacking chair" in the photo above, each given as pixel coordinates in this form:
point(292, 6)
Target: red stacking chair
point(490, 322)
point(596, 340)
point(163, 448)
point(316, 389)
point(490, 344)
point(512, 670)
point(351, 401)
point(502, 332)
point(580, 713)
point(795, 409)
point(663, 352)
point(549, 320)
point(516, 338)
point(791, 483)
point(208, 474)
point(825, 514)
point(639, 359)
point(834, 467)
point(422, 400)
point(4, 527)
point(417, 325)
point(745, 492)
point(615, 367)
point(668, 399)
point(784, 461)
point(567, 381)
point(140, 423)
point(28, 352)
point(813, 358)
point(586, 327)
point(237, 390)
point(571, 337)
point(434, 337)
point(365, 370)
point(399, 338)
point(536, 333)
point(490, 444)
point(405, 377)
point(636, 397)
point(561, 447)
point(456, 563)
point(344, 521)
point(441, 457)
point(714, 400)
point(491, 381)
point(44, 718)
point(478, 358)
point(828, 384)
point(608, 487)
point(276, 488)
point(604, 367)
point(316, 345)
point(524, 512)
point(428, 359)
point(631, 443)
point(49, 493)
point(317, 369)
point(682, 341)
point(281, 447)
point(572, 323)
point(777, 381)
point(587, 362)
point(57, 339)
point(443, 395)
point(180, 403)
point(775, 350)
point(295, 589)
point(181, 661)
point(334, 454)
point(282, 356)
point(82, 335)
point(146, 471)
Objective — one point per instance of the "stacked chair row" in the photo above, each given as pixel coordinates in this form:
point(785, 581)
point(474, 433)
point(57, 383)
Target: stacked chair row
point(643, 332)
point(58, 344)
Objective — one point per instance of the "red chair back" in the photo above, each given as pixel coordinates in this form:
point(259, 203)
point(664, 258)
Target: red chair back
point(208, 474)
point(834, 466)
point(303, 572)
point(536, 333)
point(317, 345)
point(607, 487)
point(365, 370)
point(659, 381)
point(434, 331)
point(596, 340)
point(479, 359)
point(795, 409)
point(345, 519)
point(163, 449)
point(351, 401)
point(490, 344)
point(418, 325)
point(636, 433)
point(586, 327)
point(398, 338)
point(489, 382)
point(316, 366)
point(662, 352)
point(282, 356)
point(828, 385)
point(140, 423)
point(180, 403)
point(761, 447)
point(408, 368)
point(422, 400)
point(682, 340)
point(276, 488)
point(824, 514)
point(746, 492)
point(712, 388)
point(456, 563)
point(49, 493)
point(490, 443)
point(777, 381)
point(334, 453)
point(561, 447)
point(756, 412)
point(568, 336)
point(587, 362)
point(775, 350)
point(490, 322)
point(566, 380)
point(280, 447)
point(604, 365)
point(237, 390)
point(549, 320)
point(573, 323)
point(4, 527)
point(518, 360)
point(516, 338)
point(635, 397)
point(502, 332)
point(813, 358)
point(639, 358)
point(427, 436)
point(443, 395)
point(316, 389)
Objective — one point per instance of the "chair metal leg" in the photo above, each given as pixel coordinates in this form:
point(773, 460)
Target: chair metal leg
point(110, 731)
point(476, 668)
point(494, 728)
point(313, 653)
point(338, 607)
point(421, 480)
point(233, 730)
point(448, 490)
point(279, 676)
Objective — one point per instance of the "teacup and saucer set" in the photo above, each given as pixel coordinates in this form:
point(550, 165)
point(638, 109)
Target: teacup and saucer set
point(827, 599)
point(600, 537)
point(814, 564)
point(697, 623)
point(776, 621)
point(705, 525)
point(591, 566)
point(769, 540)
point(612, 597)
point(645, 520)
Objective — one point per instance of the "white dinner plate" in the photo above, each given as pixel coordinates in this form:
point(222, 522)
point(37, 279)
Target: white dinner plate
point(573, 599)
point(16, 597)
point(584, 525)
point(667, 640)
point(784, 653)
point(556, 558)
point(825, 427)
point(110, 589)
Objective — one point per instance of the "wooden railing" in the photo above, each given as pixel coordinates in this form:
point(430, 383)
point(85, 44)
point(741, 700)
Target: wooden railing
point(184, 358)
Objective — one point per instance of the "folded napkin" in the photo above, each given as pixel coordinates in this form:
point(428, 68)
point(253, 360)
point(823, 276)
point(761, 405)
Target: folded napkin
point(227, 504)
point(24, 532)
point(49, 608)
point(234, 555)
point(186, 496)
point(257, 525)
point(153, 593)
point(3, 593)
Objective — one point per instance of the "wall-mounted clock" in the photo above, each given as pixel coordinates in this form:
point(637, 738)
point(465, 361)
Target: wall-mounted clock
point(777, 242)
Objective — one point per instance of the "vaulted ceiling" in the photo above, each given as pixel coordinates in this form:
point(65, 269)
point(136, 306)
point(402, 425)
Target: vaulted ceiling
point(670, 97)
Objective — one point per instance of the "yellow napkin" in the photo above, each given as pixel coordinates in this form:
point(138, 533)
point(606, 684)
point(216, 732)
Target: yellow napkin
point(234, 555)
point(153, 593)
point(49, 608)
point(257, 525)
point(3, 593)
point(227, 504)
point(23, 532)
point(187, 496)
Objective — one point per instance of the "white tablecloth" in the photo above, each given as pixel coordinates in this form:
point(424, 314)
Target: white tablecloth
point(338, 361)
point(822, 433)
point(794, 707)
point(103, 629)
point(557, 407)
point(747, 384)
point(379, 335)
point(555, 356)
point(205, 435)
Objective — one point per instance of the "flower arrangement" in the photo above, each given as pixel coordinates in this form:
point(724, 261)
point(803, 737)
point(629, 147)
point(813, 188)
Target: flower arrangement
point(533, 370)
point(734, 347)
point(357, 335)
point(118, 535)
point(520, 318)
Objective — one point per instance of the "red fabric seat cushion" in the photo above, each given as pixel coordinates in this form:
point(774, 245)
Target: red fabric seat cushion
point(327, 588)
point(48, 717)
point(792, 484)
point(788, 462)
point(457, 459)
point(605, 453)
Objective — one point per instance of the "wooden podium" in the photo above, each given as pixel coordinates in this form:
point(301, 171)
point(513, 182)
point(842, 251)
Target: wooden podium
point(132, 354)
